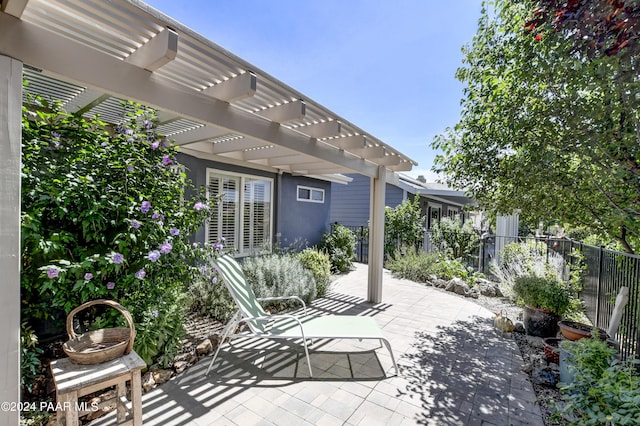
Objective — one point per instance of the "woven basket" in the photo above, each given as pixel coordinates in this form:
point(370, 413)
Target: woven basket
point(94, 347)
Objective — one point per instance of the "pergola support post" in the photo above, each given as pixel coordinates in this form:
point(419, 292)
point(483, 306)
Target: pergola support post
point(10, 142)
point(376, 235)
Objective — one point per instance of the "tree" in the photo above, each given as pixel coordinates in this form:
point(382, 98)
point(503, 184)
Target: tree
point(403, 226)
point(545, 128)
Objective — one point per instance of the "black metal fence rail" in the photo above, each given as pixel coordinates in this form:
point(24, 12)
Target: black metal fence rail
point(606, 271)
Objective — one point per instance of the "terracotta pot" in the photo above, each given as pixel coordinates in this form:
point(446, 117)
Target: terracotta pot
point(540, 322)
point(552, 349)
point(575, 330)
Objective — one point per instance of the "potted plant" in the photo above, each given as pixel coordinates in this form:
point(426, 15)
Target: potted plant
point(545, 300)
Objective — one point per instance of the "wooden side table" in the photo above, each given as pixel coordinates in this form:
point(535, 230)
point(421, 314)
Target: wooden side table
point(76, 380)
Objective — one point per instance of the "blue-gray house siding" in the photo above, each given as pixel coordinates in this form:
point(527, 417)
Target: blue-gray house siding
point(295, 222)
point(350, 203)
point(302, 223)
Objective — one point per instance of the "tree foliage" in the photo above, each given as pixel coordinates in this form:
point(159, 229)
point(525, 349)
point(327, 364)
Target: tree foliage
point(545, 128)
point(403, 226)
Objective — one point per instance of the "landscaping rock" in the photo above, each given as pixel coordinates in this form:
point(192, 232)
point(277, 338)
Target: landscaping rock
point(162, 376)
point(439, 282)
point(519, 327)
point(205, 347)
point(148, 382)
point(488, 288)
point(458, 286)
point(180, 366)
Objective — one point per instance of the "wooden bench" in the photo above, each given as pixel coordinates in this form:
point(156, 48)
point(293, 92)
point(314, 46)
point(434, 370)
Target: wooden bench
point(73, 381)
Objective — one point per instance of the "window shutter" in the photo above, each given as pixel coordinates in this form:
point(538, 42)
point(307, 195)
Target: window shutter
point(223, 223)
point(256, 215)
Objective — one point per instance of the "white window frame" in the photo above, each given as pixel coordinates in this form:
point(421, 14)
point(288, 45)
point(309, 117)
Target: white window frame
point(311, 192)
point(239, 209)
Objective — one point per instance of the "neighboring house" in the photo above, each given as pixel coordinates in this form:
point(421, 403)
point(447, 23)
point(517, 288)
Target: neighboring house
point(350, 203)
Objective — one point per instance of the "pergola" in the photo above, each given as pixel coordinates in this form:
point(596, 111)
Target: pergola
point(92, 54)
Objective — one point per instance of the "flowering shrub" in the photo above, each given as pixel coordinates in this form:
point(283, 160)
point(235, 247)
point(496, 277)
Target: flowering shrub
point(107, 213)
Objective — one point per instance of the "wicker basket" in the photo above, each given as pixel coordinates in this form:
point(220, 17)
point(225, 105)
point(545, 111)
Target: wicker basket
point(94, 347)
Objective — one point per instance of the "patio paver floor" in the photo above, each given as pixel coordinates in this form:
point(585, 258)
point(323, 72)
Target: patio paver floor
point(454, 370)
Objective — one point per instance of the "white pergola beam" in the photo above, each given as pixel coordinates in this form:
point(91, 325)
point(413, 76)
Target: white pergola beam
point(290, 159)
point(265, 152)
point(389, 160)
point(234, 145)
point(157, 52)
point(349, 142)
point(404, 166)
point(324, 129)
point(14, 7)
point(370, 152)
point(234, 89)
point(295, 110)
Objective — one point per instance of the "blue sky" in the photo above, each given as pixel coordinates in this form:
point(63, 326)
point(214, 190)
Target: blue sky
point(386, 66)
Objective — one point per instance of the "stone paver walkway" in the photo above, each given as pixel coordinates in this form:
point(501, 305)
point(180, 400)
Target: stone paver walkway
point(454, 370)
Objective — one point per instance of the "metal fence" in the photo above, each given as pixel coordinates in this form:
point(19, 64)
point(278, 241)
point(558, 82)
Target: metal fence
point(606, 271)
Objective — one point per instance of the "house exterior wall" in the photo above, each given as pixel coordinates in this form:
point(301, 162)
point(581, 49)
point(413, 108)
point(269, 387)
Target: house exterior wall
point(197, 172)
point(294, 222)
point(302, 223)
point(350, 203)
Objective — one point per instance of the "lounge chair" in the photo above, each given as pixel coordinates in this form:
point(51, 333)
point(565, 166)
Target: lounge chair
point(261, 324)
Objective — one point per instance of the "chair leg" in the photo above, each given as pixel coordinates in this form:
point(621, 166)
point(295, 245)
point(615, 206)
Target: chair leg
point(306, 352)
point(232, 323)
point(393, 359)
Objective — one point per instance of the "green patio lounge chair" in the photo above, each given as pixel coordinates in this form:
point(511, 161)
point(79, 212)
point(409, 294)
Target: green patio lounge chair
point(261, 324)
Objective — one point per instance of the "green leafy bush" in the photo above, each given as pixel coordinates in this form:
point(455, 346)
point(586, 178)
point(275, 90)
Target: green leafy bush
point(403, 226)
point(340, 245)
point(279, 275)
point(543, 293)
point(320, 266)
point(30, 365)
point(453, 238)
point(414, 266)
point(107, 213)
point(420, 266)
point(604, 390)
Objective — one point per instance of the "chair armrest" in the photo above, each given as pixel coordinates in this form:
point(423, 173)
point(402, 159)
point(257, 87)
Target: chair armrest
point(275, 317)
point(266, 299)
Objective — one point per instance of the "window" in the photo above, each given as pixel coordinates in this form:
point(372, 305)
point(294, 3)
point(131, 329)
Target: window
point(452, 212)
point(310, 195)
point(433, 216)
point(242, 215)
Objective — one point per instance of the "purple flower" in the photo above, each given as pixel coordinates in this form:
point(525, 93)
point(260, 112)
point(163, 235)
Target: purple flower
point(130, 168)
point(157, 216)
point(166, 160)
point(218, 246)
point(52, 272)
point(165, 247)
point(154, 313)
point(214, 280)
point(199, 205)
point(147, 124)
point(55, 135)
point(203, 270)
point(153, 255)
point(111, 285)
point(145, 207)
point(141, 274)
point(135, 224)
point(118, 258)
point(174, 231)
point(88, 276)
point(128, 132)
point(154, 145)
